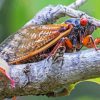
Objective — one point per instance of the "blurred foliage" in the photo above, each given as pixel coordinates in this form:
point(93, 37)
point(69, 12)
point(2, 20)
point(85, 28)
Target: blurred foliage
point(96, 80)
point(15, 13)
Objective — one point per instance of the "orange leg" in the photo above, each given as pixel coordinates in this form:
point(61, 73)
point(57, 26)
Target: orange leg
point(63, 42)
point(14, 98)
point(77, 47)
point(59, 44)
point(89, 42)
point(68, 43)
point(97, 41)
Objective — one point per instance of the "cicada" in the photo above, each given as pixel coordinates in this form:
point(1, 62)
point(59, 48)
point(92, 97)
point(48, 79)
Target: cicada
point(30, 43)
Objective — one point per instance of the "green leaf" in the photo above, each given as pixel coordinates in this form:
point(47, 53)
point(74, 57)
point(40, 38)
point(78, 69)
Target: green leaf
point(96, 80)
point(72, 86)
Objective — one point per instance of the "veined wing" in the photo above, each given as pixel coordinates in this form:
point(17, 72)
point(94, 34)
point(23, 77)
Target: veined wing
point(27, 40)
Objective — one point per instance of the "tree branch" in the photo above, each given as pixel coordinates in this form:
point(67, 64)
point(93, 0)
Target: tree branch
point(50, 14)
point(47, 14)
point(50, 74)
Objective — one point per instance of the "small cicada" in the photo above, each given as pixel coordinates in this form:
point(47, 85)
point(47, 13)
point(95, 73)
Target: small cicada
point(31, 42)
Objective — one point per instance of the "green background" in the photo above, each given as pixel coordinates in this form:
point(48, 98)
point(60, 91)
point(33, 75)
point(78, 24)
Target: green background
point(15, 13)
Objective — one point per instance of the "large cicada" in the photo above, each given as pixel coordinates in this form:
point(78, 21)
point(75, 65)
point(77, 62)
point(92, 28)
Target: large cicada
point(31, 42)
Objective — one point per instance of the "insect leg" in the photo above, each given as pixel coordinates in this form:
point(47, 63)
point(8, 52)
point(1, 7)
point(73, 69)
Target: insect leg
point(85, 41)
point(97, 41)
point(59, 44)
point(89, 42)
point(68, 42)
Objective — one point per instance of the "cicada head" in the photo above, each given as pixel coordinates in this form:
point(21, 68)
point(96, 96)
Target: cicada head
point(73, 21)
point(83, 24)
point(78, 21)
point(84, 21)
point(89, 27)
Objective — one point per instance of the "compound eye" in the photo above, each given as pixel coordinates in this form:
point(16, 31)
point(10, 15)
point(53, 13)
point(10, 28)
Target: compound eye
point(83, 21)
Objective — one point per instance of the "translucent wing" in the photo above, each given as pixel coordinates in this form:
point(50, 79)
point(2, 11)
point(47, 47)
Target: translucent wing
point(27, 40)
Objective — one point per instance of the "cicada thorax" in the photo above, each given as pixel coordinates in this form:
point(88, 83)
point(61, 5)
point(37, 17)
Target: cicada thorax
point(82, 28)
point(30, 42)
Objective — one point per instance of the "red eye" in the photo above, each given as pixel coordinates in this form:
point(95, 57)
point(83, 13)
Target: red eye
point(83, 21)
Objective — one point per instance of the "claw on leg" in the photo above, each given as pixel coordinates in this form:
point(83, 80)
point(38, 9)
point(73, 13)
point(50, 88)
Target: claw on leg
point(89, 42)
point(14, 98)
point(97, 41)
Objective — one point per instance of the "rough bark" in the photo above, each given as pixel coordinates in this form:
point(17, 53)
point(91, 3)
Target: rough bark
point(53, 73)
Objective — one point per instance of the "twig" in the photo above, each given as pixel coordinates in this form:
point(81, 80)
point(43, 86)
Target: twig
point(50, 14)
point(46, 14)
point(77, 4)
